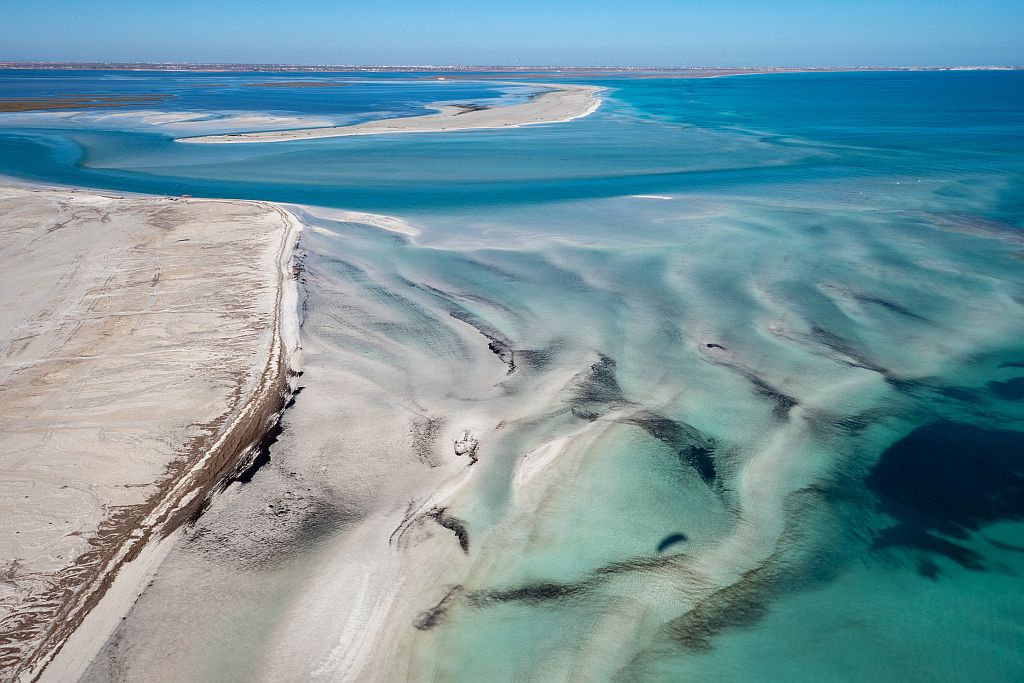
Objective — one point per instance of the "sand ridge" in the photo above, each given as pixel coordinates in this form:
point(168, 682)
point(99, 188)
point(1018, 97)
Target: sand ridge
point(562, 103)
point(147, 345)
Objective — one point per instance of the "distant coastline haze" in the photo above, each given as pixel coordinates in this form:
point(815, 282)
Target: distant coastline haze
point(530, 33)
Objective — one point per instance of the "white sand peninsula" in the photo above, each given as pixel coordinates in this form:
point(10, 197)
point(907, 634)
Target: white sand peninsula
point(565, 103)
point(145, 346)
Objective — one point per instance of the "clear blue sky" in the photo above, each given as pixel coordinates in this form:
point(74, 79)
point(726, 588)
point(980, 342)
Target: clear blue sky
point(537, 32)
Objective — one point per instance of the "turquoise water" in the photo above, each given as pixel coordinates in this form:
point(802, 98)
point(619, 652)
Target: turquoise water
point(783, 385)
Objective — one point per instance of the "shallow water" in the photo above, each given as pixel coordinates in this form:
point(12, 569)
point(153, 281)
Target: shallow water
point(761, 422)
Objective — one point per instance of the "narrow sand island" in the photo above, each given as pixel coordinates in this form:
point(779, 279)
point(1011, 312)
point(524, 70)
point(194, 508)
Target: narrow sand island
point(146, 345)
point(565, 103)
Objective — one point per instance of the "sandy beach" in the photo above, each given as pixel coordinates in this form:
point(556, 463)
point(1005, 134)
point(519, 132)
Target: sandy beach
point(564, 103)
point(147, 346)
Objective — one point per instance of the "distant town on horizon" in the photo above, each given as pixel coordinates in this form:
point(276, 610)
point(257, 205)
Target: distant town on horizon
point(312, 68)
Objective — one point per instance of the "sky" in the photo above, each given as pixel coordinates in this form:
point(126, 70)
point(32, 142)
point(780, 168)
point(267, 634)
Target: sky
point(527, 32)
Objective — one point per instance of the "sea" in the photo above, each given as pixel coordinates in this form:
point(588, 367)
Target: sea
point(722, 382)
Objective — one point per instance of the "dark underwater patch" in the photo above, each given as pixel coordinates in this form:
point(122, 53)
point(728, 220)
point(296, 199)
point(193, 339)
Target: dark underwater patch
point(600, 385)
point(841, 346)
point(890, 306)
point(783, 402)
point(435, 615)
point(856, 360)
point(944, 481)
point(598, 391)
point(958, 394)
point(537, 359)
point(505, 353)
point(693, 447)
point(498, 344)
point(738, 606)
point(1005, 546)
point(453, 524)
point(549, 591)
point(852, 424)
point(789, 570)
point(1010, 390)
point(735, 607)
point(670, 541)
point(532, 594)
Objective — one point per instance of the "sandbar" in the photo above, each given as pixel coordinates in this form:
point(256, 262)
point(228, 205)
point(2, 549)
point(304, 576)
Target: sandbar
point(296, 84)
point(563, 103)
point(48, 103)
point(146, 346)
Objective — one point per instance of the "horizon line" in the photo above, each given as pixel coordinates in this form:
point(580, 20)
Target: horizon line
point(278, 66)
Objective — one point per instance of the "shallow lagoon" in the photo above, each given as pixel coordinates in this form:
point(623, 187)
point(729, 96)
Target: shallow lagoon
point(761, 423)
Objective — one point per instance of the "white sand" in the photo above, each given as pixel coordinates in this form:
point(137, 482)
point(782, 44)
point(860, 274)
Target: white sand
point(183, 123)
point(145, 345)
point(389, 223)
point(565, 103)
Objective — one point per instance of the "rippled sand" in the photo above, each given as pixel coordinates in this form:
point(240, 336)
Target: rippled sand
point(544, 460)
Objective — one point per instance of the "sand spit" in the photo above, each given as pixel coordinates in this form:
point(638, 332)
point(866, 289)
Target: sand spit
point(147, 345)
point(565, 103)
point(390, 223)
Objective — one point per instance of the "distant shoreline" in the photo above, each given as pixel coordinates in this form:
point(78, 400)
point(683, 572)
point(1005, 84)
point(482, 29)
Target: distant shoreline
point(703, 71)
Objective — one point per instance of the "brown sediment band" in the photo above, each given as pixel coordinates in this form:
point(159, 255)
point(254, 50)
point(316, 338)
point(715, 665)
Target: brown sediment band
point(47, 103)
point(122, 536)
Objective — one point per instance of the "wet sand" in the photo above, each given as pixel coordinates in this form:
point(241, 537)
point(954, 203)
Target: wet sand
point(565, 103)
point(147, 345)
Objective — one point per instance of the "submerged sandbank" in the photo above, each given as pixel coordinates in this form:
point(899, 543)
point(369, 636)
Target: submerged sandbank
point(147, 346)
point(565, 103)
